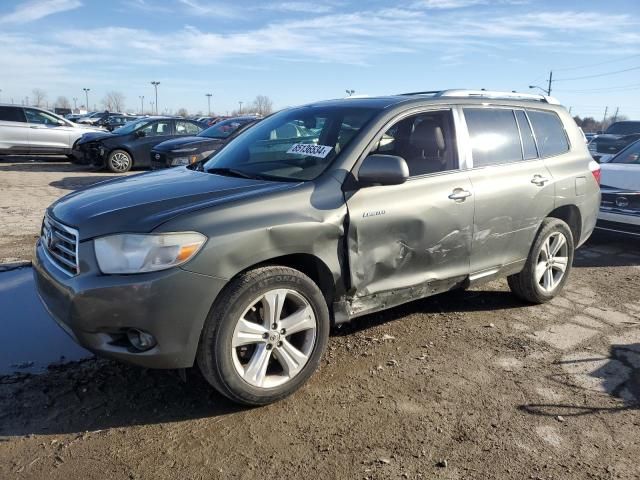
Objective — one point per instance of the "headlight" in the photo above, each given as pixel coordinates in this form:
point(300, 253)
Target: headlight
point(138, 253)
point(185, 160)
point(184, 150)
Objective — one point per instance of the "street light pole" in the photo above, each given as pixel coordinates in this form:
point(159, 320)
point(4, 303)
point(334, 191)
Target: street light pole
point(75, 103)
point(155, 85)
point(209, 95)
point(141, 97)
point(240, 107)
point(546, 91)
point(86, 94)
point(350, 92)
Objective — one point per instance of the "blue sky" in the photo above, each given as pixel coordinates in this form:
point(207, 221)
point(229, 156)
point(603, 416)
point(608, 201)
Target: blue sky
point(300, 51)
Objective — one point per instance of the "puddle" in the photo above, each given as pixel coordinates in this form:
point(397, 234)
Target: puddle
point(29, 340)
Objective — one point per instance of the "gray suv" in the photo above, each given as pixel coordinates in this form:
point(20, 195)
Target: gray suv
point(315, 216)
point(33, 130)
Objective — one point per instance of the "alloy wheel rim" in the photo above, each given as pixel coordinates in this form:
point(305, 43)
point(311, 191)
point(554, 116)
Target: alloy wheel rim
point(552, 263)
point(274, 338)
point(120, 161)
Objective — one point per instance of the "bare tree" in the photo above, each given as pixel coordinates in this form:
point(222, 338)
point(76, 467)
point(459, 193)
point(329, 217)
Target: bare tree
point(63, 102)
point(39, 96)
point(182, 112)
point(262, 105)
point(113, 101)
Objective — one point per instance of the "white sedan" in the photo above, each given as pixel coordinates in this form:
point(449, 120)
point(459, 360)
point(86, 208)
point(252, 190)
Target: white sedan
point(620, 185)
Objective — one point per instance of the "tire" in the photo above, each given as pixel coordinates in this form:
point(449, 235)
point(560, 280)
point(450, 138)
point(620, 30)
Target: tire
point(119, 161)
point(542, 277)
point(239, 336)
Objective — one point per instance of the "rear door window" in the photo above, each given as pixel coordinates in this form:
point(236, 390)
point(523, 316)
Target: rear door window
point(12, 114)
point(158, 129)
point(550, 135)
point(494, 136)
point(187, 128)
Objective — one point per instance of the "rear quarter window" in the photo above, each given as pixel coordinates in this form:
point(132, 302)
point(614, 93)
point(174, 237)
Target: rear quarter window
point(11, 114)
point(550, 135)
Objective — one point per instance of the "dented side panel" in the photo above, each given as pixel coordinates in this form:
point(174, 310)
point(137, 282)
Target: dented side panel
point(408, 237)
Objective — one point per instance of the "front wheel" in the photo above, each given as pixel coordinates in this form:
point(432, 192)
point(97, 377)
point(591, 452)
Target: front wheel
point(548, 265)
point(119, 161)
point(265, 335)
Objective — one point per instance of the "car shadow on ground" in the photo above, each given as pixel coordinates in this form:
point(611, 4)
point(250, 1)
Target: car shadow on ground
point(77, 183)
point(606, 249)
point(617, 375)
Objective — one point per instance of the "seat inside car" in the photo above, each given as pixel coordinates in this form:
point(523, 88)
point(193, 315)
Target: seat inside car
point(425, 149)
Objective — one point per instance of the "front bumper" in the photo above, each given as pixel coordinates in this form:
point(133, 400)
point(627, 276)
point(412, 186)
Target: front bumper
point(88, 154)
point(618, 222)
point(96, 310)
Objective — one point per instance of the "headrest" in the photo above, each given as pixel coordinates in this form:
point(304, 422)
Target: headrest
point(427, 136)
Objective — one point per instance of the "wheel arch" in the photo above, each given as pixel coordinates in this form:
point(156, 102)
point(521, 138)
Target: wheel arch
point(570, 214)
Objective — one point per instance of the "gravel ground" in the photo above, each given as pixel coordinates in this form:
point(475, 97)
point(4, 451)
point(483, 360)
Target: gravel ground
point(464, 385)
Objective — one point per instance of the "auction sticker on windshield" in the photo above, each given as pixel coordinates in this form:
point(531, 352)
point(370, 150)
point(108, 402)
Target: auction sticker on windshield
point(320, 151)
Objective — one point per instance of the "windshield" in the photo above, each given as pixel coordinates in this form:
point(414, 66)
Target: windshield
point(624, 128)
point(225, 128)
point(297, 144)
point(131, 126)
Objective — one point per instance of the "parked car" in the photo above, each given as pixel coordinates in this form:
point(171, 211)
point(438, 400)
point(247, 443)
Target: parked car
point(192, 149)
point(72, 117)
point(620, 207)
point(93, 117)
point(129, 146)
point(614, 139)
point(240, 264)
point(114, 121)
point(36, 131)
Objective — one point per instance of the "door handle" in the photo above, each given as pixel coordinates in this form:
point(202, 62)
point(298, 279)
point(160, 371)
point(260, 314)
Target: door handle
point(459, 194)
point(539, 180)
point(36, 126)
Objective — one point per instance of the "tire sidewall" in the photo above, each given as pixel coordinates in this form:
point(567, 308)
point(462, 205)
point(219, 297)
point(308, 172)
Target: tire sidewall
point(551, 227)
point(110, 164)
point(217, 345)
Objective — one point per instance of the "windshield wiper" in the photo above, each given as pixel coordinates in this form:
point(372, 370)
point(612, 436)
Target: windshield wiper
point(232, 172)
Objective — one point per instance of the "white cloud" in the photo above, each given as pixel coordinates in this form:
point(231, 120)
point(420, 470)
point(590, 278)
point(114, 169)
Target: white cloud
point(216, 10)
point(299, 7)
point(36, 9)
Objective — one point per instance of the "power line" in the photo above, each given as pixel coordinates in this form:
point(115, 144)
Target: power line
point(596, 75)
point(632, 86)
point(596, 64)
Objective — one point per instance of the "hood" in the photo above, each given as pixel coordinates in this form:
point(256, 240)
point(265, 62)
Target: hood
point(95, 135)
point(140, 203)
point(175, 143)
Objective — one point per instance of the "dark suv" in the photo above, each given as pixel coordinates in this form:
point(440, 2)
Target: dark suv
point(614, 139)
point(315, 216)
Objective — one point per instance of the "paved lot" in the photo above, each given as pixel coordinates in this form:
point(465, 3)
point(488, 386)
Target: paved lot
point(465, 385)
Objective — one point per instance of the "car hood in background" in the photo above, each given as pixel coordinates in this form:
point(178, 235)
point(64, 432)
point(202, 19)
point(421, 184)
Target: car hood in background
point(95, 135)
point(620, 176)
point(140, 203)
point(184, 142)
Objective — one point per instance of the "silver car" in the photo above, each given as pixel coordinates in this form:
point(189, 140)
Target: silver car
point(36, 131)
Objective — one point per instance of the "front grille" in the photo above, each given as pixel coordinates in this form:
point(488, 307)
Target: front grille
point(61, 245)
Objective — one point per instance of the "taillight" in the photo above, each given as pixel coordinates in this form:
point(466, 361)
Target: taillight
point(595, 170)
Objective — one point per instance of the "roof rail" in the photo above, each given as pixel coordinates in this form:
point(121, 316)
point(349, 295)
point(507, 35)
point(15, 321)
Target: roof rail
point(488, 94)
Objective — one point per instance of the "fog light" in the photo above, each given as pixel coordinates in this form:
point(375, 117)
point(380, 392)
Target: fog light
point(140, 340)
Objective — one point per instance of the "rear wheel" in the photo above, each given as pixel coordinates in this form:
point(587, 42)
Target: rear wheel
point(548, 265)
point(119, 161)
point(265, 335)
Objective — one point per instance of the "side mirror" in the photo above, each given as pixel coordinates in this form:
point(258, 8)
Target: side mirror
point(141, 133)
point(383, 170)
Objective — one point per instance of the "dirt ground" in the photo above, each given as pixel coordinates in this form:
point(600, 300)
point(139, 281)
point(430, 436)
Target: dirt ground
point(466, 385)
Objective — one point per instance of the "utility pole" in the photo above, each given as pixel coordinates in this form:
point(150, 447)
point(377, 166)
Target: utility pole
point(75, 103)
point(208, 95)
point(155, 85)
point(604, 119)
point(615, 115)
point(86, 94)
point(550, 80)
point(240, 107)
point(152, 104)
point(570, 108)
point(0, 96)
point(141, 97)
